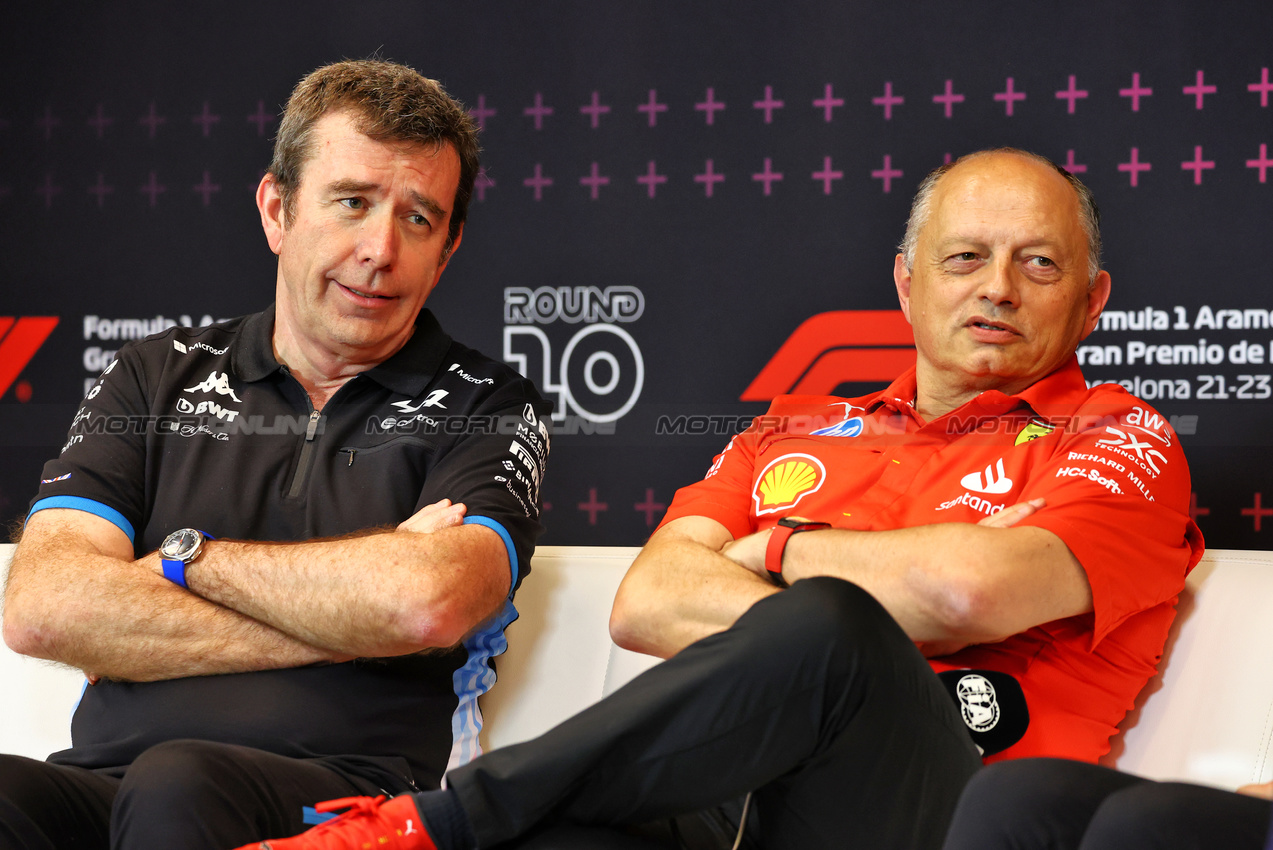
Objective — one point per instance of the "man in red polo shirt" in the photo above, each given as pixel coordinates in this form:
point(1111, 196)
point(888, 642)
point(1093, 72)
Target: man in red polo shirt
point(987, 517)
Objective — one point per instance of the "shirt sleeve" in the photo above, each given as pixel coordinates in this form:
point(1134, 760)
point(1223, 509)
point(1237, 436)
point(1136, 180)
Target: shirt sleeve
point(497, 472)
point(724, 494)
point(101, 468)
point(1117, 492)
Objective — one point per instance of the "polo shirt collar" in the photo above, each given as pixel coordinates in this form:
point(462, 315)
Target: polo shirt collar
point(409, 371)
point(1053, 397)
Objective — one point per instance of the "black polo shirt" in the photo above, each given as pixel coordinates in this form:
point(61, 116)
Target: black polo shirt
point(204, 428)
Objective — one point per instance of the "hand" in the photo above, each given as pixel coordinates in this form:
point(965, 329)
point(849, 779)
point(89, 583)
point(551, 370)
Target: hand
point(1264, 790)
point(434, 517)
point(1013, 514)
point(749, 552)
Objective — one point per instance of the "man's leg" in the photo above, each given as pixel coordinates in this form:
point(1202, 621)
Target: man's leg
point(1178, 816)
point(51, 807)
point(815, 697)
point(1043, 803)
point(200, 795)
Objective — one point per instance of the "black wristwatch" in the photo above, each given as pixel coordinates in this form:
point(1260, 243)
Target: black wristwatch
point(778, 538)
point(179, 549)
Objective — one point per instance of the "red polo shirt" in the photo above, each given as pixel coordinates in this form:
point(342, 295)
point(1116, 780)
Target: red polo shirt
point(1117, 490)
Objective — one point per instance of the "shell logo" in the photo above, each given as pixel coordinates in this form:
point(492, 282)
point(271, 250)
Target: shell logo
point(787, 480)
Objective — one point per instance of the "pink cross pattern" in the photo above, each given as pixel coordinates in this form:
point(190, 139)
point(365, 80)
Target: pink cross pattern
point(101, 190)
point(709, 179)
point(207, 119)
point(1263, 87)
point(1134, 167)
point(207, 188)
point(1197, 165)
point(152, 120)
point(1262, 163)
point(47, 123)
point(260, 118)
point(595, 109)
point(768, 104)
point(48, 190)
point(826, 175)
point(482, 112)
point(652, 107)
point(827, 103)
point(710, 106)
point(649, 507)
point(949, 99)
point(651, 179)
point(538, 112)
point(153, 188)
point(1198, 90)
point(1009, 96)
point(592, 507)
point(482, 183)
point(538, 182)
point(887, 173)
point(1071, 94)
point(594, 181)
point(1072, 166)
point(1136, 92)
point(889, 100)
point(100, 121)
point(768, 176)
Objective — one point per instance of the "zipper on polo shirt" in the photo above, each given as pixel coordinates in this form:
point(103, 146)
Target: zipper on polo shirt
point(307, 456)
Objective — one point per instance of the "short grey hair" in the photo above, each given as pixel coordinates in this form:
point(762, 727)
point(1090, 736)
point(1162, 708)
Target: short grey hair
point(922, 207)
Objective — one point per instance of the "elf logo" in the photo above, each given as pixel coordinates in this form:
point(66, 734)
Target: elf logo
point(830, 349)
point(20, 339)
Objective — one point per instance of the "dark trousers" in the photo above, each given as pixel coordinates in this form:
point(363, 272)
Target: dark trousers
point(815, 700)
point(1060, 805)
point(195, 795)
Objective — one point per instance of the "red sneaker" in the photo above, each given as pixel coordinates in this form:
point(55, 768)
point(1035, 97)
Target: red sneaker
point(367, 825)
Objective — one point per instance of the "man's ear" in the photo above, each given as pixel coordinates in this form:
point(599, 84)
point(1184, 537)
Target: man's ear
point(902, 280)
point(1097, 296)
point(270, 204)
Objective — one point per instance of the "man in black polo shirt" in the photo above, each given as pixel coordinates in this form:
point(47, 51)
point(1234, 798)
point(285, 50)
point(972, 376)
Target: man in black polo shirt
point(283, 548)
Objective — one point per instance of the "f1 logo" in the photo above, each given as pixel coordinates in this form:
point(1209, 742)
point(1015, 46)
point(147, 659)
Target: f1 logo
point(830, 349)
point(20, 339)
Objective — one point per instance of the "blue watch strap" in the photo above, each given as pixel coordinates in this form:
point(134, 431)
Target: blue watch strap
point(174, 570)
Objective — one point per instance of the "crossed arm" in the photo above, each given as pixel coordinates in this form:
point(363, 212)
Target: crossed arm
point(76, 595)
point(948, 585)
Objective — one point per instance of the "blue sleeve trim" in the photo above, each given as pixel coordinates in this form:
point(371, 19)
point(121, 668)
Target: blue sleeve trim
point(508, 544)
point(79, 503)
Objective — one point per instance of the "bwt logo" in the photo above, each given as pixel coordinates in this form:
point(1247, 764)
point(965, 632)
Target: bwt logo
point(20, 339)
point(600, 372)
point(830, 349)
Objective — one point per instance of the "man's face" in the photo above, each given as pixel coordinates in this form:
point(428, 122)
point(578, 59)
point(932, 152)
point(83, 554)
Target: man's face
point(364, 246)
point(998, 297)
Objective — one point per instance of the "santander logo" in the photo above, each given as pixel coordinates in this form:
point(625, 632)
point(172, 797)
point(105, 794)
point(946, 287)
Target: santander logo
point(990, 480)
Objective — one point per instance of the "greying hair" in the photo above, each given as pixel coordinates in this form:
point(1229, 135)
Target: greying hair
point(389, 103)
point(922, 207)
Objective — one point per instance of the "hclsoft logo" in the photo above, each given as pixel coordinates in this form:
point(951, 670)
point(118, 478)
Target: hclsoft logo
point(787, 480)
point(839, 347)
point(20, 339)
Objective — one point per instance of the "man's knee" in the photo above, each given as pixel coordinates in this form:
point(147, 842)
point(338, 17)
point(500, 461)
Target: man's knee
point(176, 772)
point(835, 615)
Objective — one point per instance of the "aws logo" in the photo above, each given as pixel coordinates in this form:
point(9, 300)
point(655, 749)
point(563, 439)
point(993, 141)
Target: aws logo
point(787, 480)
point(834, 348)
point(20, 339)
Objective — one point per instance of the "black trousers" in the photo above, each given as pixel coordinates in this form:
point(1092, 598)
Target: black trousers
point(815, 700)
point(1061, 805)
point(195, 795)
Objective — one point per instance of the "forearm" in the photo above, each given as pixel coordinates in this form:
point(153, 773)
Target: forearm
point(381, 594)
point(115, 618)
point(951, 584)
point(678, 591)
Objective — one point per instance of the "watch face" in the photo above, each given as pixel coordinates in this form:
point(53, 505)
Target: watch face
point(181, 544)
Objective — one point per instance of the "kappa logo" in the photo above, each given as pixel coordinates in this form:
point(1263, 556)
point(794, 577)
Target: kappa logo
point(787, 480)
point(20, 339)
point(830, 349)
point(434, 399)
point(991, 480)
point(218, 383)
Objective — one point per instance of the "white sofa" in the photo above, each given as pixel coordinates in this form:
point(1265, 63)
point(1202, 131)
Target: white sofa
point(1208, 716)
